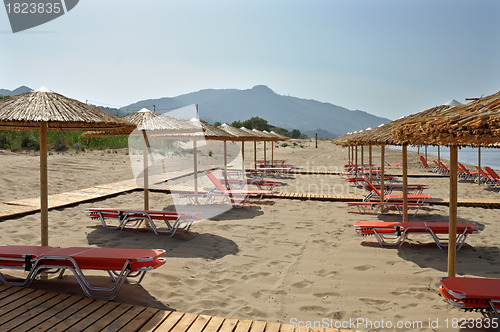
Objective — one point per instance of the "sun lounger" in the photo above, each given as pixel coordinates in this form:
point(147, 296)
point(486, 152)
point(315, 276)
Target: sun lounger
point(119, 263)
point(466, 174)
point(227, 195)
point(236, 184)
point(424, 163)
point(441, 167)
point(121, 218)
point(395, 233)
point(389, 164)
point(268, 171)
point(375, 207)
point(473, 294)
point(485, 178)
point(419, 198)
point(495, 179)
point(415, 188)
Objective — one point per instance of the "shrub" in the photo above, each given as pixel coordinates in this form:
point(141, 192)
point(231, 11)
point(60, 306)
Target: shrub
point(284, 145)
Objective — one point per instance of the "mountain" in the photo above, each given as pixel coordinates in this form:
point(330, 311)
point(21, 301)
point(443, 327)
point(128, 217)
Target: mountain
point(228, 105)
point(18, 91)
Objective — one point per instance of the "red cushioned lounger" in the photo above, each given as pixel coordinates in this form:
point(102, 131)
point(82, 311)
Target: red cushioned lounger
point(481, 294)
point(375, 207)
point(118, 262)
point(121, 218)
point(397, 232)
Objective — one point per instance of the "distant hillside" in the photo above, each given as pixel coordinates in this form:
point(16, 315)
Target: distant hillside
point(18, 91)
point(228, 105)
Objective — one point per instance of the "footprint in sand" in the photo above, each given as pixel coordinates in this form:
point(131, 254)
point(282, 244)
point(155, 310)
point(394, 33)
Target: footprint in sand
point(364, 267)
point(376, 303)
point(302, 284)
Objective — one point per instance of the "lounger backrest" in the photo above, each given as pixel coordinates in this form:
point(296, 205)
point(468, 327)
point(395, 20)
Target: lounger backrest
point(491, 172)
point(215, 181)
point(372, 187)
point(463, 168)
point(424, 162)
point(442, 165)
point(483, 173)
point(435, 162)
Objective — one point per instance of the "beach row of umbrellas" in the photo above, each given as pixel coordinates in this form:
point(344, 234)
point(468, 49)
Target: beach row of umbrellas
point(44, 110)
point(476, 124)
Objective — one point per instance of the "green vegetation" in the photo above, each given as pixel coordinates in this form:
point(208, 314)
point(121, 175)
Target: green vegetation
point(58, 141)
point(262, 124)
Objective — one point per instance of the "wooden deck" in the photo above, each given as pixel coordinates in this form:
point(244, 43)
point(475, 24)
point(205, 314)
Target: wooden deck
point(22, 207)
point(26, 309)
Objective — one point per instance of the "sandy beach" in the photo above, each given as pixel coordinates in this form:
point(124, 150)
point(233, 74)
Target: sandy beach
point(283, 260)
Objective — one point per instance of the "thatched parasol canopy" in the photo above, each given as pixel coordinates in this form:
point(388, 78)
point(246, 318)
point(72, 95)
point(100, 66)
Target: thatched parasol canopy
point(474, 124)
point(239, 134)
point(45, 110)
point(26, 111)
point(281, 137)
point(264, 136)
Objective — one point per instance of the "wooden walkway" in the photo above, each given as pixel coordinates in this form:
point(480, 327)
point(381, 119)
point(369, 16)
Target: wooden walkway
point(22, 207)
point(26, 309)
point(29, 205)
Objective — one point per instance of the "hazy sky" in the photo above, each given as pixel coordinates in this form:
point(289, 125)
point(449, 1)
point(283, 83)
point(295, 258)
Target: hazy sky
point(389, 58)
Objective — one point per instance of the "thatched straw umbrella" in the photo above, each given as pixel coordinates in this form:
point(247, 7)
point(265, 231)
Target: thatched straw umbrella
point(278, 137)
point(44, 110)
point(243, 136)
point(265, 137)
point(473, 124)
point(148, 121)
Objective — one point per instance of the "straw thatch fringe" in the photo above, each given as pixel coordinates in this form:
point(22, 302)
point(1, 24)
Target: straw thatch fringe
point(26, 112)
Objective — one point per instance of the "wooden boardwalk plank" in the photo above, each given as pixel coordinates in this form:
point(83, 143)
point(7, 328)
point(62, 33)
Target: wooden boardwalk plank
point(140, 320)
point(243, 325)
point(107, 319)
point(18, 299)
point(184, 323)
point(170, 322)
point(199, 324)
point(228, 325)
point(39, 320)
point(273, 327)
point(214, 324)
point(24, 304)
point(95, 317)
point(156, 321)
point(286, 328)
point(77, 314)
point(33, 311)
point(258, 326)
point(126, 318)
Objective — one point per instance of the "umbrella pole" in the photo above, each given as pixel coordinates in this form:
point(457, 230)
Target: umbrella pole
point(479, 165)
point(370, 161)
point(405, 183)
point(265, 160)
point(382, 171)
point(452, 245)
point(348, 154)
point(44, 195)
point(195, 161)
point(145, 172)
point(243, 157)
point(225, 162)
point(356, 160)
point(362, 158)
point(426, 153)
point(272, 152)
point(254, 154)
point(439, 153)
